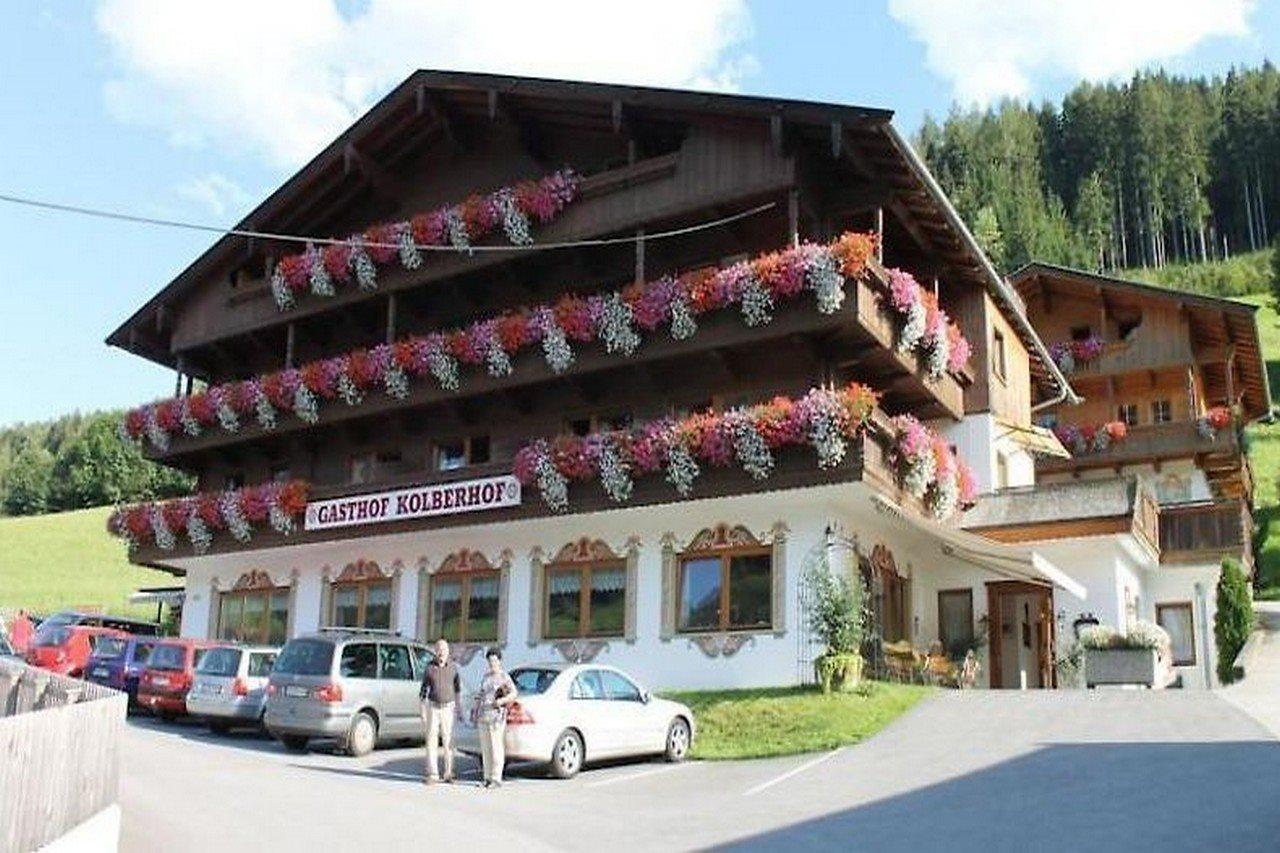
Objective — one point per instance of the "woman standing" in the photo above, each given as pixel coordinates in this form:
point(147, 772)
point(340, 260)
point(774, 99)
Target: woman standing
point(497, 692)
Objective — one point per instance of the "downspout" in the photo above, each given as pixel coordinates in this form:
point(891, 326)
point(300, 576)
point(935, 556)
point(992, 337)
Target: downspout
point(999, 286)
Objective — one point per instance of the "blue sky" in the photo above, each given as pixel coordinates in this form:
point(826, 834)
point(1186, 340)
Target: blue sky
point(176, 110)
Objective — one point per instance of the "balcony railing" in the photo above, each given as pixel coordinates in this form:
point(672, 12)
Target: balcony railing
point(1204, 532)
point(1149, 443)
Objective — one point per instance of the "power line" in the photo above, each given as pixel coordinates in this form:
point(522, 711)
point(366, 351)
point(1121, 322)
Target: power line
point(298, 238)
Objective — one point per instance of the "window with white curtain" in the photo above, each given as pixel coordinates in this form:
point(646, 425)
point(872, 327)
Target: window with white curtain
point(1178, 623)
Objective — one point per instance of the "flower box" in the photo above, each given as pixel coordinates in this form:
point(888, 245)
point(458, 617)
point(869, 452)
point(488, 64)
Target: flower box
point(1141, 667)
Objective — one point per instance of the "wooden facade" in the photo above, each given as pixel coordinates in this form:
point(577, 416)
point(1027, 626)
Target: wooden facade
point(650, 160)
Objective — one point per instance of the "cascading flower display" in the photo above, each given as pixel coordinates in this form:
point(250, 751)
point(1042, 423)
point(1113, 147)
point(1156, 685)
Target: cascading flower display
point(1213, 421)
point(513, 209)
point(913, 455)
point(929, 469)
point(1075, 354)
point(679, 448)
point(926, 328)
point(617, 320)
point(201, 516)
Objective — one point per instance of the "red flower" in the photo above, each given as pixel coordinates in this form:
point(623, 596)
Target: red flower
point(477, 214)
point(206, 506)
point(854, 250)
point(137, 520)
point(381, 243)
point(201, 408)
point(134, 423)
point(169, 415)
point(574, 318)
point(293, 498)
point(514, 331)
point(428, 228)
point(275, 391)
point(362, 369)
point(296, 271)
point(337, 261)
point(175, 514)
point(253, 503)
point(319, 377)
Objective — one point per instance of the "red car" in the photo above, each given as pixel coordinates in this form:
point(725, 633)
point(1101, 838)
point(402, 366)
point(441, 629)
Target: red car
point(168, 676)
point(65, 649)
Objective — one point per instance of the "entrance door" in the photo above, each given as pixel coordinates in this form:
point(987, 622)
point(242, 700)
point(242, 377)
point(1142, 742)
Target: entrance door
point(1020, 634)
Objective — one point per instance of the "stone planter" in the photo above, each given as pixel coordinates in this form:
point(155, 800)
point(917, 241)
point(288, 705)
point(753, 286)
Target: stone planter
point(844, 675)
point(1123, 666)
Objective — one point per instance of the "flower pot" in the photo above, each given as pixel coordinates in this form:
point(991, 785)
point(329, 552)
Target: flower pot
point(1122, 666)
point(840, 673)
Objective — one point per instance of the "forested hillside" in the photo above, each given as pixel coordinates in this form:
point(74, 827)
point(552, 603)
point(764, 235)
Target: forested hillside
point(77, 461)
point(1157, 170)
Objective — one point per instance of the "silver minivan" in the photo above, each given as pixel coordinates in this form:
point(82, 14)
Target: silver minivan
point(359, 687)
point(230, 686)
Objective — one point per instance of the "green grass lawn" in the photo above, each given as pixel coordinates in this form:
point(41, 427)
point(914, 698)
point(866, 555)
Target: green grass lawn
point(51, 562)
point(1264, 456)
point(788, 720)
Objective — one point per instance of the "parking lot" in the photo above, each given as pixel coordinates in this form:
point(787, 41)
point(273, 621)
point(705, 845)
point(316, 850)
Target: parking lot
point(1173, 770)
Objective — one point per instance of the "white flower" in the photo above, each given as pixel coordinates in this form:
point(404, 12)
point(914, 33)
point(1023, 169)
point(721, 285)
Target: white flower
point(912, 330)
point(198, 533)
point(615, 326)
point(227, 418)
point(265, 412)
point(496, 359)
point(682, 468)
point(190, 425)
point(824, 279)
point(683, 325)
point(919, 473)
point(615, 475)
point(280, 291)
point(456, 229)
point(155, 433)
point(749, 446)
point(555, 346)
point(937, 354)
point(280, 520)
point(396, 381)
point(552, 484)
point(165, 540)
point(363, 267)
point(943, 497)
point(827, 439)
point(514, 222)
point(321, 284)
point(757, 302)
point(444, 367)
point(229, 506)
point(348, 391)
point(305, 405)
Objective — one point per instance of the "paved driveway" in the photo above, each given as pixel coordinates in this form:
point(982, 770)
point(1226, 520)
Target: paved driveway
point(1067, 770)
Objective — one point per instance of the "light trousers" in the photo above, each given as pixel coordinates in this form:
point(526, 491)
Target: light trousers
point(493, 749)
point(437, 724)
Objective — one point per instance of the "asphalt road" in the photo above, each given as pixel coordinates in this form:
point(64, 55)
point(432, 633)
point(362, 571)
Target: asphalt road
point(977, 770)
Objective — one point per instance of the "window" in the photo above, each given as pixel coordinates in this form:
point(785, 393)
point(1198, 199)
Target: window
point(726, 591)
point(371, 467)
point(597, 423)
point(533, 681)
point(260, 664)
point(394, 662)
point(1161, 412)
point(586, 601)
point(362, 604)
point(254, 616)
point(142, 653)
point(617, 688)
point(1128, 414)
point(464, 607)
point(1177, 621)
point(1127, 327)
point(454, 454)
point(305, 657)
point(1081, 333)
point(220, 662)
point(587, 686)
point(359, 660)
point(955, 621)
point(998, 356)
point(280, 473)
point(360, 469)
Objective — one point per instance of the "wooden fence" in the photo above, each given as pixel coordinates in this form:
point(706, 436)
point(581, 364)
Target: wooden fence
point(60, 742)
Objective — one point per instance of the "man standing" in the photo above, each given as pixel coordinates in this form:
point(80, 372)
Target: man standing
point(440, 695)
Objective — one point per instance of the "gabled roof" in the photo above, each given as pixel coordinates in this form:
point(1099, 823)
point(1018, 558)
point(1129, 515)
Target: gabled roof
point(1215, 321)
point(428, 102)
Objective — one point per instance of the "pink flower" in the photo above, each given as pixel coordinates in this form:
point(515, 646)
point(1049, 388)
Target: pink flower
point(904, 291)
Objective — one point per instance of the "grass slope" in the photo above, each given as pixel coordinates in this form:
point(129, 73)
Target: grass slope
point(1239, 276)
point(50, 562)
point(788, 720)
point(1264, 456)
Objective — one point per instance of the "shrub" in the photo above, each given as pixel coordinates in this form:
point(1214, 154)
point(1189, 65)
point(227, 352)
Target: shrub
point(838, 619)
point(1143, 635)
point(1234, 619)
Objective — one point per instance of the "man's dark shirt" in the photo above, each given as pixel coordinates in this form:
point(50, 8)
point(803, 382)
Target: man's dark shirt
point(441, 684)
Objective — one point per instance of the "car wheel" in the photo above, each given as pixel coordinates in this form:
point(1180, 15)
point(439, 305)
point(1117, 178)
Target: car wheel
point(566, 755)
point(166, 716)
point(219, 727)
point(677, 740)
point(294, 743)
point(362, 736)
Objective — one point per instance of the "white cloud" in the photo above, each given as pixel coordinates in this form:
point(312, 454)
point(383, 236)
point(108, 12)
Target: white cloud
point(217, 193)
point(992, 48)
point(281, 78)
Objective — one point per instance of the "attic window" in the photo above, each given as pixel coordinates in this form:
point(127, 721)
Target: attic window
point(1127, 327)
point(1081, 333)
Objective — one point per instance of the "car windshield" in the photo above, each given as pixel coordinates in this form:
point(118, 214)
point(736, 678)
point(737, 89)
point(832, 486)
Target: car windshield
point(220, 662)
point(531, 681)
point(110, 648)
point(55, 636)
point(168, 656)
point(305, 657)
point(57, 620)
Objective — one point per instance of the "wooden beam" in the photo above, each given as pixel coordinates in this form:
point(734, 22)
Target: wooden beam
point(775, 132)
point(531, 138)
point(290, 340)
point(382, 182)
point(391, 318)
point(837, 139)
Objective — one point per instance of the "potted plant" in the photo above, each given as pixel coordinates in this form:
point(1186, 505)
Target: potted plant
point(838, 620)
point(1135, 656)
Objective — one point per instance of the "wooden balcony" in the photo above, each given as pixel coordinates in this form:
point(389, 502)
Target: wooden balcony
point(868, 460)
point(858, 341)
point(1154, 443)
point(1205, 533)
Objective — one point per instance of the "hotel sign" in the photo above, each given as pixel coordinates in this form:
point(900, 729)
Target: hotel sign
point(417, 502)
